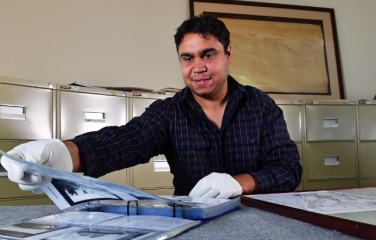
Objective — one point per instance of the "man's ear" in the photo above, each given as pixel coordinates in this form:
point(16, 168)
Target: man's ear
point(229, 53)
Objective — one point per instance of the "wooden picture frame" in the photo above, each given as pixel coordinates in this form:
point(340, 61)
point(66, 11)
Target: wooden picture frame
point(352, 227)
point(287, 51)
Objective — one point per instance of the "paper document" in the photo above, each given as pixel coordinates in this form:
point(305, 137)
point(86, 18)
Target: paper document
point(94, 186)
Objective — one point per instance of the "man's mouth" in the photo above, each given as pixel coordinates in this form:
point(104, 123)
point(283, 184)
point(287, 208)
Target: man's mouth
point(200, 80)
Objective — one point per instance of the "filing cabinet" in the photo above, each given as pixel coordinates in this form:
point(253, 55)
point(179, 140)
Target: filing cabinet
point(293, 115)
point(81, 110)
point(153, 177)
point(331, 184)
point(336, 140)
point(330, 147)
point(330, 122)
point(26, 114)
point(10, 193)
point(331, 160)
point(367, 142)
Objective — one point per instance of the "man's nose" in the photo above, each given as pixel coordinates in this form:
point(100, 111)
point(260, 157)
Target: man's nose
point(199, 66)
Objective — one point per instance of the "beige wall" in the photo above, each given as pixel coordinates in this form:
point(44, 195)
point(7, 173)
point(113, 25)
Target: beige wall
point(130, 42)
point(98, 42)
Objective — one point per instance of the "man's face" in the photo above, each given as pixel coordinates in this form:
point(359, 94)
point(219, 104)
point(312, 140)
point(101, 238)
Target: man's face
point(205, 65)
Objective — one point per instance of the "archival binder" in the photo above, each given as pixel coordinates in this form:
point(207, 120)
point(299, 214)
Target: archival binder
point(72, 191)
point(94, 207)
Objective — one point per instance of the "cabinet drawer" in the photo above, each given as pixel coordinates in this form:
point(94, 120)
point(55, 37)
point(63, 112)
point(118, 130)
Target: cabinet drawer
point(330, 123)
point(85, 112)
point(139, 106)
point(332, 184)
point(12, 190)
point(331, 160)
point(118, 177)
point(300, 187)
point(25, 112)
point(367, 122)
point(368, 159)
point(154, 174)
point(292, 115)
point(7, 146)
point(368, 182)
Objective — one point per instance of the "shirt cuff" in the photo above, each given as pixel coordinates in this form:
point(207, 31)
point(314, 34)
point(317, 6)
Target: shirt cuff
point(264, 181)
point(87, 151)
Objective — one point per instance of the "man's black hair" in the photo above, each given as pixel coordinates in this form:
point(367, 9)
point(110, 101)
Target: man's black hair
point(203, 24)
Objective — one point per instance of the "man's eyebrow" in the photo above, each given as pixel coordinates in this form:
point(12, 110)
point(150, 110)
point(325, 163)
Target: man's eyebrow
point(203, 52)
point(206, 50)
point(186, 55)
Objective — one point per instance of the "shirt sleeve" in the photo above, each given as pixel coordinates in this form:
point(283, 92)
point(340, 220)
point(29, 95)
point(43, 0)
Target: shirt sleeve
point(279, 158)
point(114, 148)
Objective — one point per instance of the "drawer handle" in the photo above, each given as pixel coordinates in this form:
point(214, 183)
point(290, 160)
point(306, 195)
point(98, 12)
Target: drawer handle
point(95, 117)
point(331, 160)
point(14, 112)
point(330, 122)
point(161, 164)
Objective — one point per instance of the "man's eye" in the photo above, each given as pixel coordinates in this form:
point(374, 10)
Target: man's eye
point(187, 59)
point(208, 56)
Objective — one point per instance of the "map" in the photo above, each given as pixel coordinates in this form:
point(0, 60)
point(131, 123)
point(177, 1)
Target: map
point(278, 57)
point(323, 202)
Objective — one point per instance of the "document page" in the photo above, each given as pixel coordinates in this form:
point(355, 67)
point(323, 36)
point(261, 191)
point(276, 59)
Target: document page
point(83, 185)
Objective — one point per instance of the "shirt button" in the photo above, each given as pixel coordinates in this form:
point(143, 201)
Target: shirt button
point(252, 140)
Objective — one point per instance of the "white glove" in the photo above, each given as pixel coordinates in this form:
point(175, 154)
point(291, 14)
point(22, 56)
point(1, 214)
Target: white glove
point(51, 153)
point(217, 185)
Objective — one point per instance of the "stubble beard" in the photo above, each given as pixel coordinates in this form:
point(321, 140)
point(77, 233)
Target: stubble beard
point(213, 92)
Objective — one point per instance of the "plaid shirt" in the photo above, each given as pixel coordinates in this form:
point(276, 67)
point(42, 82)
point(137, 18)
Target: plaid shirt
point(253, 139)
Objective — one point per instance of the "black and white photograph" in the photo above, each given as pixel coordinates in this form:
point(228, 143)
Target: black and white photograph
point(74, 193)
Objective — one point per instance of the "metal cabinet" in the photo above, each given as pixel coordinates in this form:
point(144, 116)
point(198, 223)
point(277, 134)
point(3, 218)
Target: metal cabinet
point(26, 114)
point(367, 153)
point(330, 160)
point(330, 146)
point(336, 140)
point(293, 116)
point(81, 110)
point(367, 121)
point(153, 177)
point(367, 142)
point(330, 122)
point(9, 189)
point(331, 184)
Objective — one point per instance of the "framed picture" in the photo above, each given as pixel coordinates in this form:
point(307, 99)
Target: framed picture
point(287, 51)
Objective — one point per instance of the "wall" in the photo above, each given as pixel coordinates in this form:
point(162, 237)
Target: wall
point(130, 42)
point(97, 42)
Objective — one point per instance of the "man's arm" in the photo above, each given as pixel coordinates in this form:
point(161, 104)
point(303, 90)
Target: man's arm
point(117, 147)
point(248, 183)
point(78, 165)
point(279, 160)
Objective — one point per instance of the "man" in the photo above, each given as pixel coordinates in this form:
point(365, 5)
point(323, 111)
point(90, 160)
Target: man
point(221, 139)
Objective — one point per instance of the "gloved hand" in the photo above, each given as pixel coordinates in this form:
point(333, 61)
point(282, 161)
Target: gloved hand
point(217, 185)
point(52, 153)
